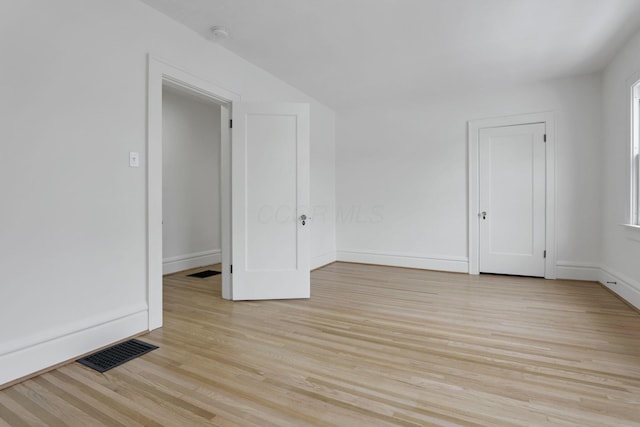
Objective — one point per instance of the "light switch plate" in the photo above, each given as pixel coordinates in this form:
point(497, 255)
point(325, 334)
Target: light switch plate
point(134, 159)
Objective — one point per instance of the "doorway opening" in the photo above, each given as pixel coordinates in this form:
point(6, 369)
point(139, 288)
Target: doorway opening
point(191, 201)
point(164, 78)
point(522, 150)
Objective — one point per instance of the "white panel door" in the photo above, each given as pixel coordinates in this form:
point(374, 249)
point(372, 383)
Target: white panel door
point(512, 200)
point(270, 199)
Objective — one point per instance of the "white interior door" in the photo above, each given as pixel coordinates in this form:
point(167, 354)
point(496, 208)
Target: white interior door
point(512, 200)
point(270, 200)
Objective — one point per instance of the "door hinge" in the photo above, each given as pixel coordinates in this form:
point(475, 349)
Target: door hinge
point(231, 125)
point(545, 137)
point(231, 268)
point(545, 253)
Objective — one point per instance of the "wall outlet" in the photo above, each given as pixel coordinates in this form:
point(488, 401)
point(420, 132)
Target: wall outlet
point(134, 159)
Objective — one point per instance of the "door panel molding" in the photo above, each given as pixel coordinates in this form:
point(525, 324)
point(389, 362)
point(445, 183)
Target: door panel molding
point(474, 127)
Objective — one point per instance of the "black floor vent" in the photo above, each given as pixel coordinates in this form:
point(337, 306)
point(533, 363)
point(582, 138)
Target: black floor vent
point(204, 274)
point(114, 356)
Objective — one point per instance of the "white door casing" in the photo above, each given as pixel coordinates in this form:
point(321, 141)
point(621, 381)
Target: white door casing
point(512, 200)
point(270, 187)
point(474, 128)
point(162, 72)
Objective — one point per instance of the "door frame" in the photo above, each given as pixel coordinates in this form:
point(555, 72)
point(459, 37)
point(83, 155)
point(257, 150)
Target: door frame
point(159, 72)
point(474, 127)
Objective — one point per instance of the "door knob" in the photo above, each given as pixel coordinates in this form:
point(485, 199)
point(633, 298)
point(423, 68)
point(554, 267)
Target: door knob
point(482, 215)
point(304, 219)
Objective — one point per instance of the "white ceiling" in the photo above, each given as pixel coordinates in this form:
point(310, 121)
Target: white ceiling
point(351, 52)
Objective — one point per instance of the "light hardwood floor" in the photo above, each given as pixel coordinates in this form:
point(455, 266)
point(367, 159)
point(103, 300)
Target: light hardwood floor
point(373, 346)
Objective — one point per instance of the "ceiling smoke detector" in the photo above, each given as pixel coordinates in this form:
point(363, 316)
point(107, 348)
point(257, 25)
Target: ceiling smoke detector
point(219, 34)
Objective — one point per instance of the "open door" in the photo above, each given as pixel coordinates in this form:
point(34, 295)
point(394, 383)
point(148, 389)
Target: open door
point(270, 201)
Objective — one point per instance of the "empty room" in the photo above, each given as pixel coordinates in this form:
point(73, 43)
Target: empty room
point(320, 213)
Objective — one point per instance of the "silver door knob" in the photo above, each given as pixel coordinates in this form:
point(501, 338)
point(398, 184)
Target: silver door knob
point(482, 215)
point(304, 219)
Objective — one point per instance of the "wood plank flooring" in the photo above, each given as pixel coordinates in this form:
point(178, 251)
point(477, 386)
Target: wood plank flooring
point(373, 346)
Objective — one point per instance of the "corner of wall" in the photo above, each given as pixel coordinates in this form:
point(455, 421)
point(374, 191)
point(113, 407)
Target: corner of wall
point(622, 285)
point(322, 260)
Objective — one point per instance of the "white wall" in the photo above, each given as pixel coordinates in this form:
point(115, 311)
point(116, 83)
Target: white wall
point(323, 190)
point(402, 175)
point(72, 223)
point(190, 181)
point(620, 245)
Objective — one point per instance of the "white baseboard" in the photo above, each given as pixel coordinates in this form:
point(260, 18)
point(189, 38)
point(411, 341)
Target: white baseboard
point(577, 271)
point(185, 262)
point(626, 287)
point(426, 262)
point(18, 362)
point(322, 260)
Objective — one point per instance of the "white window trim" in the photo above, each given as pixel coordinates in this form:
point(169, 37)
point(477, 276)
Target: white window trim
point(631, 227)
point(632, 216)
